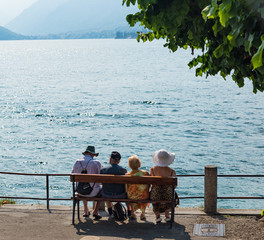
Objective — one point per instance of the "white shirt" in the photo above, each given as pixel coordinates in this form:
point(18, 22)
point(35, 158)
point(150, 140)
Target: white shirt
point(93, 167)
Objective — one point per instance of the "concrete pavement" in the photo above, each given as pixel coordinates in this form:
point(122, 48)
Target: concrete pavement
point(27, 222)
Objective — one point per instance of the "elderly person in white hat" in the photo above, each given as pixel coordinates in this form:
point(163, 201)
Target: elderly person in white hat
point(162, 159)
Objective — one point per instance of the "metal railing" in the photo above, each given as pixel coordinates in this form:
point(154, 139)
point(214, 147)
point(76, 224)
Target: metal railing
point(48, 199)
point(225, 176)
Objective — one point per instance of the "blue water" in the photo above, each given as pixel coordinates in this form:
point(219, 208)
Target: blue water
point(59, 96)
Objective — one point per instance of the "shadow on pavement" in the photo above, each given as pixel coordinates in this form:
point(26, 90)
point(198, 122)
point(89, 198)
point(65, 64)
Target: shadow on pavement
point(109, 228)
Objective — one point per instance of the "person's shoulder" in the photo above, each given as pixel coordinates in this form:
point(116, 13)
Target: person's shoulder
point(104, 169)
point(78, 161)
point(107, 167)
point(123, 169)
point(120, 166)
point(95, 162)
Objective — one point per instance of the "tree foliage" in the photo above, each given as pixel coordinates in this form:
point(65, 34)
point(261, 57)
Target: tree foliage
point(230, 34)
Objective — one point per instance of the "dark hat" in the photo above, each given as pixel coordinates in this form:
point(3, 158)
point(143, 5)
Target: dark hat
point(91, 149)
point(115, 155)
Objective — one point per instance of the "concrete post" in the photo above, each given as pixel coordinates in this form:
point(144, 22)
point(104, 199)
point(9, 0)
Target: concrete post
point(210, 189)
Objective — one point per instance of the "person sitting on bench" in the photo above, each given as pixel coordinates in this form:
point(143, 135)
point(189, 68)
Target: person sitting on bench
point(137, 191)
point(112, 190)
point(162, 159)
point(90, 166)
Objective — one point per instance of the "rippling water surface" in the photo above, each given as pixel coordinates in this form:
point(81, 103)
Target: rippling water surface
point(59, 96)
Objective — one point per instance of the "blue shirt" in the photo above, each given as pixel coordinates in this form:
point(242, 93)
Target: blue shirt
point(113, 188)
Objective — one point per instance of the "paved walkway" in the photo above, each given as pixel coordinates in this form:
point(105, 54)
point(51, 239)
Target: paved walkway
point(26, 222)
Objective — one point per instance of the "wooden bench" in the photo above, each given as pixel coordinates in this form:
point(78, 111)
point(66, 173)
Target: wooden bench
point(121, 179)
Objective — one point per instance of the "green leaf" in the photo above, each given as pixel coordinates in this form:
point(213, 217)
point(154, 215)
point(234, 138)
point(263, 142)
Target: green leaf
point(217, 28)
point(248, 42)
point(199, 72)
point(218, 52)
point(150, 37)
point(190, 34)
point(205, 12)
point(143, 3)
point(226, 31)
point(224, 9)
point(257, 58)
point(232, 40)
point(130, 20)
point(236, 29)
point(209, 12)
point(223, 18)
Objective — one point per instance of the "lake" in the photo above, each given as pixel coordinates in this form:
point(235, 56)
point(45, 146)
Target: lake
point(58, 96)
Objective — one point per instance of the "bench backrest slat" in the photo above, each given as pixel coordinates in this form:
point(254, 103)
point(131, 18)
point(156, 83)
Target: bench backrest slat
point(125, 179)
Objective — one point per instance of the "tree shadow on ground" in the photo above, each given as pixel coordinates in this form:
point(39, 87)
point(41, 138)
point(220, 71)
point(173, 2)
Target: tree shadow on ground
point(131, 229)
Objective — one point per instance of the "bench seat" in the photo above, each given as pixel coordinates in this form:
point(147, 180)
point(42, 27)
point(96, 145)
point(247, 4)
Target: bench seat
point(120, 179)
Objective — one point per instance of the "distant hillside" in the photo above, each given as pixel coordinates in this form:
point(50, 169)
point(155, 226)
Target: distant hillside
point(4, 17)
point(5, 34)
point(58, 16)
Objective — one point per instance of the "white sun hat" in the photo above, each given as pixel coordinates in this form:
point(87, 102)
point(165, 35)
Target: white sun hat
point(162, 158)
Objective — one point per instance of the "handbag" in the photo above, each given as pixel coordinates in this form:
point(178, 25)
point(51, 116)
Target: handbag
point(84, 188)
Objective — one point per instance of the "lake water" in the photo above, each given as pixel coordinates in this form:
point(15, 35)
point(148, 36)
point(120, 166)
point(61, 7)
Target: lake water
point(59, 96)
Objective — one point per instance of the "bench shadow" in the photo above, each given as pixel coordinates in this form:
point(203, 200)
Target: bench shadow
point(108, 227)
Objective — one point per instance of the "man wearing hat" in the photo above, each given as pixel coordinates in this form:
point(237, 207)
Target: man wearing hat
point(92, 166)
point(111, 190)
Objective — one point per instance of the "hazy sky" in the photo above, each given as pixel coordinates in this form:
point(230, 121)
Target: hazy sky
point(11, 8)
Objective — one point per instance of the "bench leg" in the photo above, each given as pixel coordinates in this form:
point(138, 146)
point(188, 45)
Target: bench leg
point(78, 209)
point(172, 214)
point(73, 211)
point(172, 205)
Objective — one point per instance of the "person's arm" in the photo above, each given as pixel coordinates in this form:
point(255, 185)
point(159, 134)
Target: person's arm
point(127, 185)
point(146, 173)
point(123, 171)
point(174, 175)
point(151, 172)
point(74, 169)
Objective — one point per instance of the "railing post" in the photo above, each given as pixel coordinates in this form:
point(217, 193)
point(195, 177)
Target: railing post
point(210, 189)
point(47, 190)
